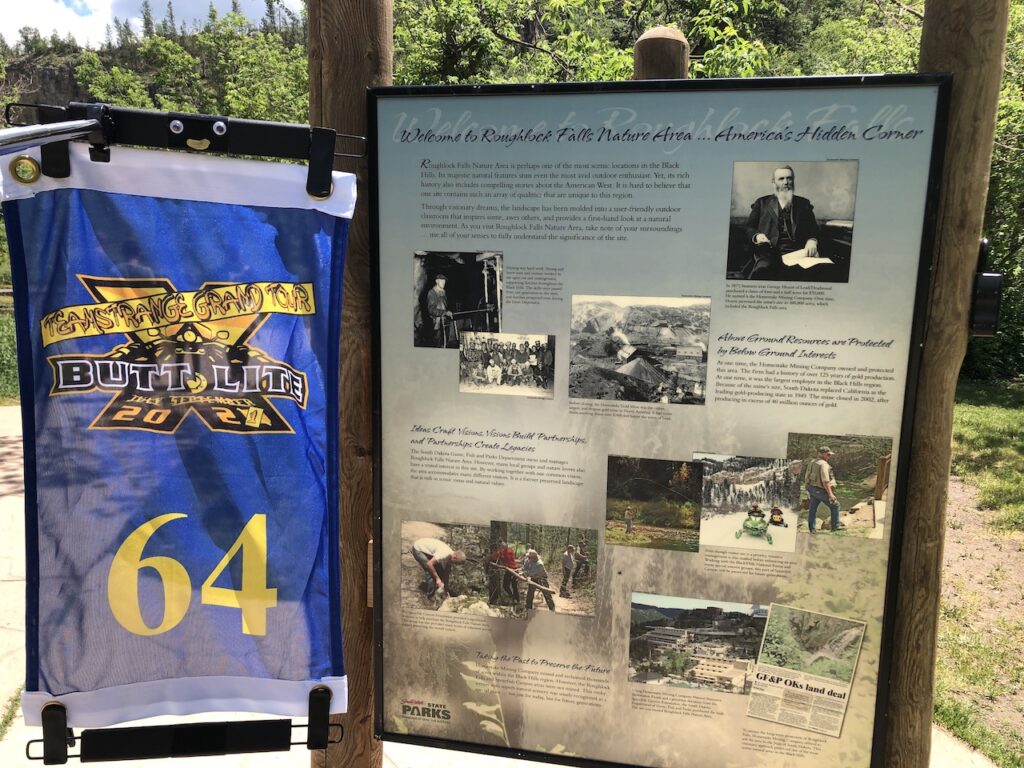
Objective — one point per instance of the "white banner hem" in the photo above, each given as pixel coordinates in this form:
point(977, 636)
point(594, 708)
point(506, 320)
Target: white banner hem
point(186, 696)
point(187, 176)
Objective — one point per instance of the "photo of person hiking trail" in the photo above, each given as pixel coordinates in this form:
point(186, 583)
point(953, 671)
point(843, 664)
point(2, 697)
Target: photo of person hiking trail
point(542, 567)
point(653, 503)
point(857, 468)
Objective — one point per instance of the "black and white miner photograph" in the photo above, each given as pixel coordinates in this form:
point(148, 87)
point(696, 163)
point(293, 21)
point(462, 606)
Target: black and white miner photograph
point(792, 220)
point(455, 292)
point(748, 502)
point(686, 642)
point(639, 348)
point(507, 364)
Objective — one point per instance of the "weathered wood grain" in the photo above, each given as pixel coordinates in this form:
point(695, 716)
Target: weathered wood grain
point(661, 53)
point(967, 38)
point(350, 45)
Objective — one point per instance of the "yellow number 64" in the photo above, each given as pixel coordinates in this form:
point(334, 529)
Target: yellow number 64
point(253, 599)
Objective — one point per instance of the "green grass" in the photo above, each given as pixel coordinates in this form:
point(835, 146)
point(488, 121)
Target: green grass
point(1003, 747)
point(983, 662)
point(10, 712)
point(980, 664)
point(8, 360)
point(988, 447)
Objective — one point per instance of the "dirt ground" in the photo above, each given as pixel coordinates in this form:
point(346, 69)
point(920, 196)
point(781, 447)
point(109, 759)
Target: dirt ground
point(983, 597)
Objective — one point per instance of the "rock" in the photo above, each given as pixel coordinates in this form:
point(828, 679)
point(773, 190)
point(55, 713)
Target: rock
point(468, 604)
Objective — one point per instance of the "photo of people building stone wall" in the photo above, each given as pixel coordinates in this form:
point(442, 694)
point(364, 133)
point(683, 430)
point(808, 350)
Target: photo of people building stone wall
point(444, 567)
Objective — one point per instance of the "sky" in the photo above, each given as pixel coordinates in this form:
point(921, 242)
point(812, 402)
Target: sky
point(688, 603)
point(87, 20)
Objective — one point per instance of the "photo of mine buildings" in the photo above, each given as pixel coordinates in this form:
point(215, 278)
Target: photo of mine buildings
point(713, 646)
point(639, 348)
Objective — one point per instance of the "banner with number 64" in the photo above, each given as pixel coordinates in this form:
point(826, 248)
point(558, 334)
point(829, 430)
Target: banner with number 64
point(178, 324)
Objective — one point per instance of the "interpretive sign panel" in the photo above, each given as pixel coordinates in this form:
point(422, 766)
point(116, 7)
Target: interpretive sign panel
point(644, 359)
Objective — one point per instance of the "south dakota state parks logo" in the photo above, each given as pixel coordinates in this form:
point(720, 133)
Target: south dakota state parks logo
point(186, 352)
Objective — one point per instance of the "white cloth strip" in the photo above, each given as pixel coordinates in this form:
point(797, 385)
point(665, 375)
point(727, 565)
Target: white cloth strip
point(186, 176)
point(186, 696)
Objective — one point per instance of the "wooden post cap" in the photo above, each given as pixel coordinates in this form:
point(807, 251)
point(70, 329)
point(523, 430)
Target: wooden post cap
point(661, 53)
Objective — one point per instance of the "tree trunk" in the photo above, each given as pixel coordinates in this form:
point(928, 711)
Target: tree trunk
point(349, 50)
point(967, 38)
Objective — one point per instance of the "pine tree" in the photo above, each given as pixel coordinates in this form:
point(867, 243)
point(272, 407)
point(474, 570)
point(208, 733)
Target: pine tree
point(148, 28)
point(269, 23)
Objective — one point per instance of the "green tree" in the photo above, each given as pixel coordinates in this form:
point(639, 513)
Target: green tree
point(113, 86)
point(148, 28)
point(870, 40)
point(167, 26)
point(253, 74)
point(676, 662)
point(725, 30)
point(1003, 356)
point(177, 89)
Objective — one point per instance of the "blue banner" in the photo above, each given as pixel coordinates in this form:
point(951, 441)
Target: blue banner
point(178, 324)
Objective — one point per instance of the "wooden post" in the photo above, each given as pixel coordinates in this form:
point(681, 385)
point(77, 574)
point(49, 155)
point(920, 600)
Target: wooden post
point(661, 53)
point(882, 476)
point(350, 49)
point(967, 38)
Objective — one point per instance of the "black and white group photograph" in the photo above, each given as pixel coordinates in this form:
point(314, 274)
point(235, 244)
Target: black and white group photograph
point(455, 292)
point(639, 348)
point(686, 642)
point(792, 221)
point(747, 502)
point(507, 364)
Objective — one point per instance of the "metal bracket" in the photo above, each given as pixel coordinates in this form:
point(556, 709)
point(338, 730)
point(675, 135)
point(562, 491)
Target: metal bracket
point(57, 737)
point(100, 139)
point(987, 297)
point(108, 125)
point(183, 739)
point(354, 138)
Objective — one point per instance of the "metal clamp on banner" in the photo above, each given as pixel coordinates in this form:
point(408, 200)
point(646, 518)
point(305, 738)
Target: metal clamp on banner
point(57, 737)
point(104, 125)
point(988, 293)
point(101, 138)
point(183, 739)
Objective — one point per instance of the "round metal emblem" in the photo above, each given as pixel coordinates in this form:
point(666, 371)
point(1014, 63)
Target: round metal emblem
point(24, 169)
